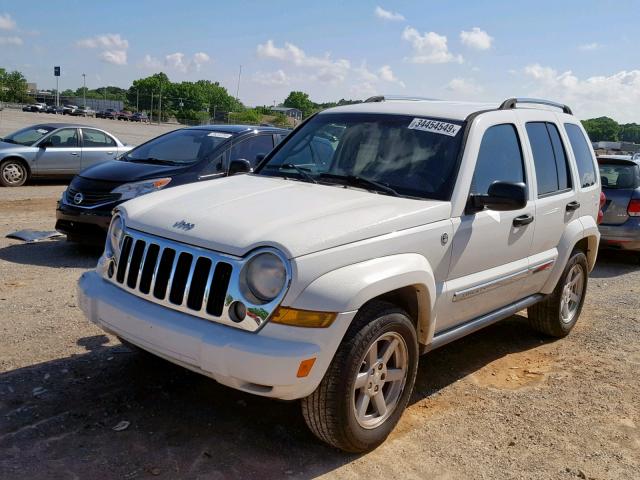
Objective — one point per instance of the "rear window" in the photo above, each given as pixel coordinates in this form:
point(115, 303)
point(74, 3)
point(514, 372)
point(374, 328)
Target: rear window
point(582, 152)
point(618, 175)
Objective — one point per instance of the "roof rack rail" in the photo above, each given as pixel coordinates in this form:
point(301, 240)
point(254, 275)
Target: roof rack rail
point(512, 103)
point(384, 98)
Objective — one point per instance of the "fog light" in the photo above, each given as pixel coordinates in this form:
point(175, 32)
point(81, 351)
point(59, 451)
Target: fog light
point(111, 269)
point(237, 311)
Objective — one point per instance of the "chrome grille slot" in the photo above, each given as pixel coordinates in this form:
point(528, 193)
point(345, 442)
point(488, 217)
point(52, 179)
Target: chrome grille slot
point(182, 277)
point(91, 199)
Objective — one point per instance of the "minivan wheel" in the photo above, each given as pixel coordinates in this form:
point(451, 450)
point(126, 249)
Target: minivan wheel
point(558, 313)
point(368, 384)
point(13, 173)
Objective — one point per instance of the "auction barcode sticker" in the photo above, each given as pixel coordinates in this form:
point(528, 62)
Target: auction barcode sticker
point(434, 126)
point(219, 135)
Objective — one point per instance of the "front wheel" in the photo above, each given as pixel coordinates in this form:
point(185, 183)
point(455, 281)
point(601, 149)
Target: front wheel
point(13, 173)
point(369, 382)
point(559, 312)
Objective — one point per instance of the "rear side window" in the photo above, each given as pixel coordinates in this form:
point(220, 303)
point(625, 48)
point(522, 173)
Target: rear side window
point(552, 172)
point(96, 138)
point(499, 158)
point(582, 152)
point(250, 148)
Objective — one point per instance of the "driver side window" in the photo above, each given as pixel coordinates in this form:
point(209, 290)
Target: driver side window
point(65, 138)
point(499, 159)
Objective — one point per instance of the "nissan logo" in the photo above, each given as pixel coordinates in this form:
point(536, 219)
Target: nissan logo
point(78, 198)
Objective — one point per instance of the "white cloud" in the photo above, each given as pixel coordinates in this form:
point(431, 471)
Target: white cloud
point(116, 57)
point(274, 79)
point(476, 38)
point(464, 86)
point(113, 46)
point(325, 68)
point(177, 61)
point(588, 47)
point(16, 41)
point(387, 15)
point(107, 41)
point(387, 75)
point(6, 22)
point(616, 95)
point(429, 48)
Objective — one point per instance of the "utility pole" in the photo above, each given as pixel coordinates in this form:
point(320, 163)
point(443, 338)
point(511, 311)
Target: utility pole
point(238, 87)
point(84, 89)
point(214, 113)
point(151, 110)
point(160, 106)
point(137, 98)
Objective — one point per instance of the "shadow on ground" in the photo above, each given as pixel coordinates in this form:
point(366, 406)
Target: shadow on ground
point(613, 263)
point(61, 414)
point(52, 253)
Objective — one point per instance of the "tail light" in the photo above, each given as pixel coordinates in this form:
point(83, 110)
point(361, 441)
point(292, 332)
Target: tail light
point(634, 207)
point(603, 200)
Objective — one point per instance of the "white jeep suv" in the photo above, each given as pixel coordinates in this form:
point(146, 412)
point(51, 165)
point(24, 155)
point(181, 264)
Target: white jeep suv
point(373, 233)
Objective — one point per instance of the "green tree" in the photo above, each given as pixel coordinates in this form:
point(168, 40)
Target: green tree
point(301, 101)
point(13, 86)
point(602, 129)
point(630, 132)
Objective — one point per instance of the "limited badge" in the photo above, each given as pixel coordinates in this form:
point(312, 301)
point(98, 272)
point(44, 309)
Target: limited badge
point(434, 126)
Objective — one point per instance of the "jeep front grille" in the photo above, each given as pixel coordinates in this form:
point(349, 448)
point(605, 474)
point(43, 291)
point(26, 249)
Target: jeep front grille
point(186, 278)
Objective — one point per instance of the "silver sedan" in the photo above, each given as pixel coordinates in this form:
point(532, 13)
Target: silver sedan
point(54, 150)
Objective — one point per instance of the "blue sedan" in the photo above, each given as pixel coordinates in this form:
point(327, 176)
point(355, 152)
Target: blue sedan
point(54, 150)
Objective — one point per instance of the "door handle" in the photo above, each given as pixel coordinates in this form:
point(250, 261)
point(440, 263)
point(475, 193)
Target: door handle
point(572, 206)
point(74, 153)
point(522, 220)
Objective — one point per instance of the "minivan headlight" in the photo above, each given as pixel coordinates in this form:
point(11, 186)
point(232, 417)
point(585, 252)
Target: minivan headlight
point(265, 276)
point(135, 189)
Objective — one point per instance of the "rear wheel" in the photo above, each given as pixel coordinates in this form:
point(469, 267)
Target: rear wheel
point(13, 173)
point(558, 313)
point(369, 382)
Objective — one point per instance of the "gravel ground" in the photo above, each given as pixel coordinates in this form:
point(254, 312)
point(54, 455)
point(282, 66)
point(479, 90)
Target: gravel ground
point(504, 403)
point(131, 133)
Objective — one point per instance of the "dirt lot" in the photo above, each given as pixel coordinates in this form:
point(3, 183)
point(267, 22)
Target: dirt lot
point(504, 403)
point(131, 133)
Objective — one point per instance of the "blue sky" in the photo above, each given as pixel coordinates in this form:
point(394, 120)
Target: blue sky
point(584, 52)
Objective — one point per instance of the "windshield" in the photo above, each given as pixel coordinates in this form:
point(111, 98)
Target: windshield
point(28, 136)
point(618, 175)
point(180, 147)
point(389, 154)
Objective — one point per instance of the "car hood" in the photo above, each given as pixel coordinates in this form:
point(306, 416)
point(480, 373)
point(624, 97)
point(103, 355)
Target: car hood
point(237, 214)
point(6, 147)
point(124, 172)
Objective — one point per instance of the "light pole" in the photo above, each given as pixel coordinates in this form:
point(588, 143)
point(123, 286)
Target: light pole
point(137, 98)
point(84, 89)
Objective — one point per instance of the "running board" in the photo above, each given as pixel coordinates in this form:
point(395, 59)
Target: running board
point(471, 326)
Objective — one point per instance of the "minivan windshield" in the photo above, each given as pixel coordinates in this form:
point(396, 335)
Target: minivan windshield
point(180, 147)
point(389, 154)
point(28, 136)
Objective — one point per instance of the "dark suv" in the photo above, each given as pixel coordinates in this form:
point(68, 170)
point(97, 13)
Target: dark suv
point(182, 156)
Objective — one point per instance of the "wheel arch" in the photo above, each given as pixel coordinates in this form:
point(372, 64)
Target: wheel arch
point(406, 280)
point(20, 159)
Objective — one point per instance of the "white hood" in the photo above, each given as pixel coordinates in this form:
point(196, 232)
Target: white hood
point(235, 215)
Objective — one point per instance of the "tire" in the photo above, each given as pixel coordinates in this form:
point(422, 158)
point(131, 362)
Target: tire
point(548, 316)
point(330, 411)
point(13, 173)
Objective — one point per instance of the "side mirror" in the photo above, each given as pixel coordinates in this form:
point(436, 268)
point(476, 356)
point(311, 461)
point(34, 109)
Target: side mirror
point(239, 166)
point(502, 196)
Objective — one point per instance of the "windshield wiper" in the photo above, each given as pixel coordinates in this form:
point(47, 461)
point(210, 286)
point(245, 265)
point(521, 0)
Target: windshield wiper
point(355, 181)
point(304, 172)
point(153, 160)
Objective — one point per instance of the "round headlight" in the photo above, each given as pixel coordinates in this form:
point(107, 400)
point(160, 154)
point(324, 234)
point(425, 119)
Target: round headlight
point(266, 276)
point(116, 231)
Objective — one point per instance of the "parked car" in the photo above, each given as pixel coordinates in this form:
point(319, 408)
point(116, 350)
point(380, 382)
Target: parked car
point(109, 113)
point(69, 109)
point(26, 108)
point(124, 115)
point(324, 278)
point(54, 150)
point(35, 107)
point(139, 117)
point(620, 226)
point(58, 110)
point(183, 156)
point(84, 111)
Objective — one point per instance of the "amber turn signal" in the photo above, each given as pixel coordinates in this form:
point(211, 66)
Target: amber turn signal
point(305, 367)
point(302, 318)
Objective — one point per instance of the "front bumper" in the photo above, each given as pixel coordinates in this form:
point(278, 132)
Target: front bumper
point(91, 225)
point(621, 237)
point(264, 363)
